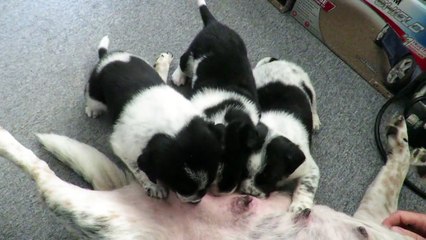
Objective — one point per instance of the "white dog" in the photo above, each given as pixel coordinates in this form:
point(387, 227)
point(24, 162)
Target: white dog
point(118, 207)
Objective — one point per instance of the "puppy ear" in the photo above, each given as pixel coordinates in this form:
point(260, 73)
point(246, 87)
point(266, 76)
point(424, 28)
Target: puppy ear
point(285, 150)
point(218, 130)
point(151, 156)
point(242, 129)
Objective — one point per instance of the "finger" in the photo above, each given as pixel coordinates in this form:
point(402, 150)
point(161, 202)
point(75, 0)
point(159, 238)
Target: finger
point(404, 218)
point(407, 233)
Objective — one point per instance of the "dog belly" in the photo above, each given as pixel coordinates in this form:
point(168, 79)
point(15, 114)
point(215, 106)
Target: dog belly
point(226, 217)
point(233, 217)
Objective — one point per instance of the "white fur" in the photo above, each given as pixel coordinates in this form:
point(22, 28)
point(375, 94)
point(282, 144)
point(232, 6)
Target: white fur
point(162, 65)
point(114, 57)
point(208, 98)
point(198, 176)
point(195, 64)
point(104, 43)
point(201, 2)
point(178, 77)
point(94, 108)
point(88, 162)
point(126, 213)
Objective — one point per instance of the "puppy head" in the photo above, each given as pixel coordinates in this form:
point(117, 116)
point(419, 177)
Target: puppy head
point(242, 139)
point(186, 163)
point(282, 157)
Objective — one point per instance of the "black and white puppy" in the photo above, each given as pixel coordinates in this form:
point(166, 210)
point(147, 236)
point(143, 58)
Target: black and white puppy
point(223, 88)
point(158, 133)
point(289, 110)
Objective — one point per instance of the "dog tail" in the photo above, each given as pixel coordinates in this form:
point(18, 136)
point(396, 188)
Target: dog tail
point(103, 47)
point(205, 13)
point(87, 161)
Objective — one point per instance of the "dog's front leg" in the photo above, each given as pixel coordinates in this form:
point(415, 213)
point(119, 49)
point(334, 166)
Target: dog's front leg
point(381, 198)
point(304, 194)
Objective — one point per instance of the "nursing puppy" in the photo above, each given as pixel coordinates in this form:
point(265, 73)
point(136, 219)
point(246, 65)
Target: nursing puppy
point(223, 88)
point(288, 103)
point(157, 133)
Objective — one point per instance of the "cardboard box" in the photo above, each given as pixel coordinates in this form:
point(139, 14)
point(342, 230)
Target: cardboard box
point(350, 28)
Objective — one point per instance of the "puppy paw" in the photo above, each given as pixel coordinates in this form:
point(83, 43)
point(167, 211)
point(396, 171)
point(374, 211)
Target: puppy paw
point(247, 187)
point(91, 113)
point(156, 191)
point(94, 108)
point(316, 122)
point(164, 59)
point(299, 207)
point(178, 77)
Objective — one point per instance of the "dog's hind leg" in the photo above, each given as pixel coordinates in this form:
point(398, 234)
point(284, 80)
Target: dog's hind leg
point(88, 162)
point(381, 198)
point(88, 211)
point(162, 65)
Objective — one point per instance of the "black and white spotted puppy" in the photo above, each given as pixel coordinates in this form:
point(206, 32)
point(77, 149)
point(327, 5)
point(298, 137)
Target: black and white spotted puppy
point(158, 133)
point(289, 110)
point(223, 88)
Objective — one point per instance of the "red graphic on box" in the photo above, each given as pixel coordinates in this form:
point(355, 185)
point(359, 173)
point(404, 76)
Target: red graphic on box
point(326, 5)
point(307, 24)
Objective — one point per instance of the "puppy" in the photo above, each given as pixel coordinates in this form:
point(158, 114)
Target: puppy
point(223, 88)
point(157, 133)
point(288, 102)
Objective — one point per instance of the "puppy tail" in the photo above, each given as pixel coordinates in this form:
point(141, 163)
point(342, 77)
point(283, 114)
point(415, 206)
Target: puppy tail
point(103, 47)
point(87, 161)
point(205, 13)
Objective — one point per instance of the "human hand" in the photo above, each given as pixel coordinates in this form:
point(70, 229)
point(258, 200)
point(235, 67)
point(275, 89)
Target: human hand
point(407, 223)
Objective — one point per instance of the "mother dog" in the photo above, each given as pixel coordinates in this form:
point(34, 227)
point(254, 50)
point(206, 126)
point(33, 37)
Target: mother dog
point(123, 211)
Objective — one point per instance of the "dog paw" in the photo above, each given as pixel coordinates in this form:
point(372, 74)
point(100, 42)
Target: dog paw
point(247, 187)
point(156, 191)
point(164, 59)
point(178, 77)
point(397, 136)
point(298, 208)
point(316, 122)
point(301, 215)
point(418, 157)
point(91, 113)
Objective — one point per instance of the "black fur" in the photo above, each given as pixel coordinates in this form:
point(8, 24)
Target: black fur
point(226, 66)
point(118, 82)
point(282, 158)
point(195, 147)
point(291, 99)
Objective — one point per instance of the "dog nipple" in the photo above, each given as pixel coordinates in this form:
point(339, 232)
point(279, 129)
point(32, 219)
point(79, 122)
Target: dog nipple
point(362, 231)
point(303, 216)
point(241, 204)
